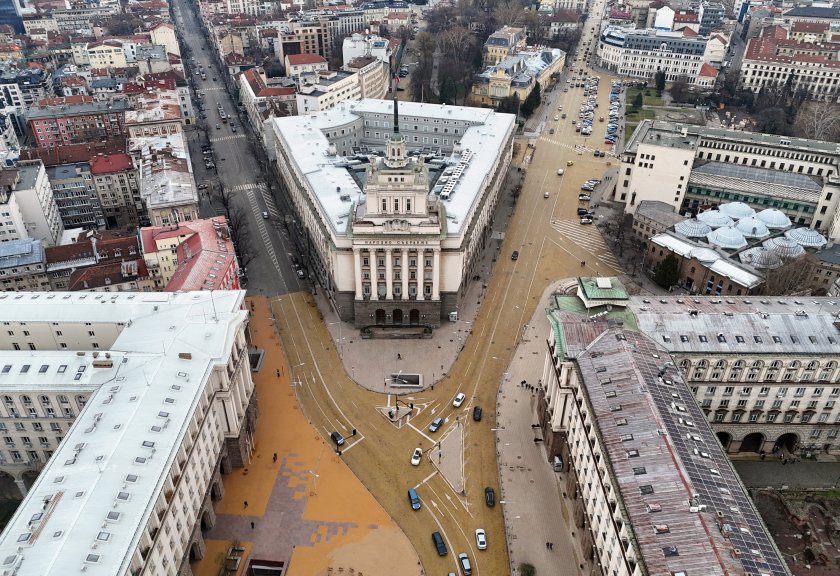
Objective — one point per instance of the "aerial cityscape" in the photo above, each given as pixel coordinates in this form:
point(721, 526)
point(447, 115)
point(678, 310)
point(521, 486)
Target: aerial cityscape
point(376, 288)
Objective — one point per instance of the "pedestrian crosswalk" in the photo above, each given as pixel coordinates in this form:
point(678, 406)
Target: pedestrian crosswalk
point(586, 147)
point(211, 89)
point(249, 187)
point(589, 238)
point(226, 138)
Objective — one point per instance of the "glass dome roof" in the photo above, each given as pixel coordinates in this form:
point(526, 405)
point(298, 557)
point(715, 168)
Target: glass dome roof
point(774, 218)
point(728, 238)
point(752, 227)
point(760, 257)
point(714, 218)
point(806, 237)
point(784, 247)
point(736, 210)
point(693, 228)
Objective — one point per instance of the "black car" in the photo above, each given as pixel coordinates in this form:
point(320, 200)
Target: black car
point(490, 496)
point(477, 413)
point(582, 211)
point(514, 255)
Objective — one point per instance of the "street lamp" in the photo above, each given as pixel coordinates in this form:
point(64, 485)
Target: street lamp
point(314, 481)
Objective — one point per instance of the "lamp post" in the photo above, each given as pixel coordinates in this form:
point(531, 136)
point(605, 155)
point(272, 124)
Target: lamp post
point(314, 481)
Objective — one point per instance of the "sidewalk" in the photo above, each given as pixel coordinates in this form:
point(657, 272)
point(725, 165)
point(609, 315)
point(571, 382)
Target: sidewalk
point(534, 506)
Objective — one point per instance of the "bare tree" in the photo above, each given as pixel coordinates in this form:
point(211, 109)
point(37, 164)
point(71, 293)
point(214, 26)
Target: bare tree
point(819, 121)
point(794, 276)
point(223, 196)
point(240, 236)
point(509, 13)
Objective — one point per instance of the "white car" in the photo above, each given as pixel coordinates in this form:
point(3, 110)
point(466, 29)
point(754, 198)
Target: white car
point(480, 539)
point(459, 399)
point(415, 457)
point(560, 172)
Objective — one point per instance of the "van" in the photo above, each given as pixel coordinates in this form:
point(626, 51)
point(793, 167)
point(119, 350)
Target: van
point(558, 464)
point(413, 499)
point(440, 545)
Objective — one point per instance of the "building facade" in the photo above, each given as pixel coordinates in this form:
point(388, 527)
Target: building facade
point(23, 266)
point(75, 195)
point(401, 250)
point(116, 184)
point(642, 53)
point(185, 416)
point(74, 119)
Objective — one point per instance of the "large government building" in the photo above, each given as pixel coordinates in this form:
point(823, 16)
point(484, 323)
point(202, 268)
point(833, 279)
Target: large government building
point(127, 407)
point(654, 492)
point(395, 205)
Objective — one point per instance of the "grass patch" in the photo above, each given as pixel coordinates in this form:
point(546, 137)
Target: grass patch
point(648, 95)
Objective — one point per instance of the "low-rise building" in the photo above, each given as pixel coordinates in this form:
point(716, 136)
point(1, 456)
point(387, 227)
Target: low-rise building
point(305, 65)
point(185, 416)
point(87, 249)
point(642, 53)
point(23, 266)
point(197, 255)
point(361, 45)
point(503, 43)
point(167, 186)
point(262, 102)
point(155, 113)
point(653, 217)
point(326, 90)
point(517, 75)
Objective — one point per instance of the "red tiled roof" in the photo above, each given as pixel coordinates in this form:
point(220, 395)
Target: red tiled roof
point(71, 153)
point(72, 81)
point(110, 247)
point(63, 101)
point(774, 31)
point(268, 33)
point(686, 17)
point(298, 59)
point(708, 70)
point(277, 91)
point(811, 27)
point(689, 32)
point(109, 274)
point(110, 163)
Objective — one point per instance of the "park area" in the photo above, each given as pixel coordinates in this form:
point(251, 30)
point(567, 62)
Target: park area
point(642, 103)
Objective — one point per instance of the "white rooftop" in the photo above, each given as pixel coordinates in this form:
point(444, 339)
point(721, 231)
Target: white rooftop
point(305, 137)
point(85, 510)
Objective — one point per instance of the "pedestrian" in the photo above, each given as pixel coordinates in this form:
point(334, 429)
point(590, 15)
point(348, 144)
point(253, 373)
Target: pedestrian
point(551, 545)
point(399, 356)
point(246, 503)
point(275, 457)
point(546, 545)
point(252, 525)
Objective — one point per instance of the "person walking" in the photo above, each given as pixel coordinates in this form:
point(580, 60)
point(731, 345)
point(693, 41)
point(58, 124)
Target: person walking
point(246, 504)
point(252, 525)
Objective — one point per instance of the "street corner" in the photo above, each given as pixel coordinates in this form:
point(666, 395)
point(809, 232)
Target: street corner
point(447, 455)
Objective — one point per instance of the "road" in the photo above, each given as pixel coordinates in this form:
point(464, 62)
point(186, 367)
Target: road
point(237, 169)
point(552, 244)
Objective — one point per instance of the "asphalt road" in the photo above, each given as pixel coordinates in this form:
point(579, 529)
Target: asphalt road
point(237, 169)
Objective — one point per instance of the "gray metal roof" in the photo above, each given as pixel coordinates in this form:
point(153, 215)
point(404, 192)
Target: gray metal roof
point(771, 325)
point(762, 175)
point(24, 252)
point(111, 107)
point(664, 458)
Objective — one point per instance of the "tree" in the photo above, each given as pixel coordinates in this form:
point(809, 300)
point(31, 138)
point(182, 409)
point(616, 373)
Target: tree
point(420, 82)
point(794, 276)
point(638, 101)
point(772, 121)
point(526, 569)
point(240, 236)
point(668, 271)
point(123, 24)
point(508, 12)
point(532, 102)
point(819, 121)
point(679, 90)
point(337, 54)
point(447, 86)
point(660, 82)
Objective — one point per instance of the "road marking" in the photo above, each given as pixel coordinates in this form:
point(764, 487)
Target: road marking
point(423, 434)
point(443, 532)
point(426, 479)
point(226, 138)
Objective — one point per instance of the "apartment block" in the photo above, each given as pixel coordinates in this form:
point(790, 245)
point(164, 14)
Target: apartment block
point(23, 266)
point(116, 183)
point(75, 195)
point(75, 119)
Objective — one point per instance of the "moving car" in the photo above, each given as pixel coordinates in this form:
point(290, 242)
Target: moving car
point(459, 399)
point(218, 126)
point(300, 273)
point(490, 496)
point(440, 545)
point(480, 539)
point(464, 562)
point(477, 413)
point(416, 456)
point(436, 423)
point(265, 215)
point(560, 171)
point(514, 255)
point(413, 499)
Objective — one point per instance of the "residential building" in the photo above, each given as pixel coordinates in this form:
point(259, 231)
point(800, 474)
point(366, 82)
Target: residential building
point(155, 113)
point(502, 43)
point(87, 249)
point(775, 62)
point(75, 195)
point(196, 255)
point(9, 144)
point(106, 54)
point(374, 76)
point(517, 75)
point(326, 90)
point(382, 251)
point(653, 489)
point(163, 33)
point(116, 183)
point(68, 20)
point(694, 168)
point(127, 362)
point(167, 186)
point(125, 276)
point(642, 53)
point(35, 202)
point(304, 37)
point(75, 119)
point(23, 266)
point(261, 102)
point(305, 65)
point(361, 46)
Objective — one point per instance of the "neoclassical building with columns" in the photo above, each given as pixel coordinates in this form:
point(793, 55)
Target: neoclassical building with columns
point(395, 205)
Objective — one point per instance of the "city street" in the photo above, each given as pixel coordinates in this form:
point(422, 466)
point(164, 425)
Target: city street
point(237, 168)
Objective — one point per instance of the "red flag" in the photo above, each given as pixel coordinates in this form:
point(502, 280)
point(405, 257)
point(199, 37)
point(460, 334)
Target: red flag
point(397, 78)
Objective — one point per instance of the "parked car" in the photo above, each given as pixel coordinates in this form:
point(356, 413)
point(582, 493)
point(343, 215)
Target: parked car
point(459, 399)
point(586, 220)
point(560, 171)
point(416, 456)
point(337, 438)
point(300, 273)
point(582, 211)
point(584, 197)
point(490, 496)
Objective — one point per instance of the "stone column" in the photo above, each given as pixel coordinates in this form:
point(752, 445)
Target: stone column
point(421, 271)
point(374, 278)
point(357, 266)
point(22, 487)
point(389, 274)
point(405, 273)
point(436, 275)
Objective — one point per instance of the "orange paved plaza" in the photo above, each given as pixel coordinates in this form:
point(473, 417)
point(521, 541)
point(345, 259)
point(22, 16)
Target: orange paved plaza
point(308, 508)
